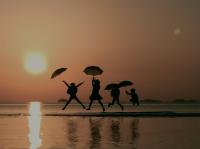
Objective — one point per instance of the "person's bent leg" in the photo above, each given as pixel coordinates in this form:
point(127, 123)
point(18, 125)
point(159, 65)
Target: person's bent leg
point(138, 103)
point(133, 102)
point(111, 103)
point(120, 104)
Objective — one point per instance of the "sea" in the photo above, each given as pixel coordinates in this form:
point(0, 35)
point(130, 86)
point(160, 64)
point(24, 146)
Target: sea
point(27, 126)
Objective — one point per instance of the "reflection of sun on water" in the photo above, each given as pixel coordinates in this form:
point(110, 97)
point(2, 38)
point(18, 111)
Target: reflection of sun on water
point(34, 125)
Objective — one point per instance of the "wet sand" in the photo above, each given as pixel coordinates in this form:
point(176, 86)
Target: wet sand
point(116, 114)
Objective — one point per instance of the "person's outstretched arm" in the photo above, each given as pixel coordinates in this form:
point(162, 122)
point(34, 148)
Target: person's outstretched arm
point(80, 84)
point(128, 93)
point(65, 83)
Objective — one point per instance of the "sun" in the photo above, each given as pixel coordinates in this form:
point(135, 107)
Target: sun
point(35, 63)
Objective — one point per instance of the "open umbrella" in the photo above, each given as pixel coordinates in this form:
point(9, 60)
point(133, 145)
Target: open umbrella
point(111, 86)
point(93, 70)
point(58, 72)
point(125, 83)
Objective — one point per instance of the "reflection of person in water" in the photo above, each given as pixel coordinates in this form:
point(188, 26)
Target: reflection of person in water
point(72, 133)
point(95, 93)
point(134, 125)
point(116, 136)
point(95, 127)
point(72, 90)
point(115, 93)
point(134, 97)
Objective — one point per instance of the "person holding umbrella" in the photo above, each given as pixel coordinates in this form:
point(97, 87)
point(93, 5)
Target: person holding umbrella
point(115, 94)
point(72, 91)
point(134, 97)
point(95, 93)
point(115, 91)
point(94, 71)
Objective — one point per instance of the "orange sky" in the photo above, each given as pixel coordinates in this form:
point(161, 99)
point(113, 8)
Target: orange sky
point(153, 43)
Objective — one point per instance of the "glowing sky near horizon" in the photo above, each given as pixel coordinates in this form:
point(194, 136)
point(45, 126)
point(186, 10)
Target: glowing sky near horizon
point(153, 43)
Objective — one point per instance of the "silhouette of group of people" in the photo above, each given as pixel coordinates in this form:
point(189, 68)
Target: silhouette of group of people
point(95, 95)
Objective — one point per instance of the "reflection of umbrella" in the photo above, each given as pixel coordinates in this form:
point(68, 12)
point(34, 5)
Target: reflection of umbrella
point(125, 83)
point(111, 86)
point(93, 70)
point(57, 72)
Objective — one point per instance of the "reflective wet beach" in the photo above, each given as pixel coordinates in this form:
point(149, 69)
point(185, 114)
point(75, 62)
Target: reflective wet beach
point(62, 132)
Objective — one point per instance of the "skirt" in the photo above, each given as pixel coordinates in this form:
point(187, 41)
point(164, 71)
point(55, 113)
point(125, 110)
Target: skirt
point(95, 97)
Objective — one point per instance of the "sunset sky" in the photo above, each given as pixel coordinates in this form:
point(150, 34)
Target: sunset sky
point(154, 43)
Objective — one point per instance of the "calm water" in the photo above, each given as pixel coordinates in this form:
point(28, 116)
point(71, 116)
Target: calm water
point(57, 132)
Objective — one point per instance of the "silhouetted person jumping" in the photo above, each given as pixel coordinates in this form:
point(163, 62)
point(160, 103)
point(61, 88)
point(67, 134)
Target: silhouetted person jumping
point(72, 90)
point(95, 93)
point(115, 93)
point(134, 97)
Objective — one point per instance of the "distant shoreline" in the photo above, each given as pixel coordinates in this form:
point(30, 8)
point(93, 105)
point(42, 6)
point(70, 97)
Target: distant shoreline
point(116, 114)
point(142, 103)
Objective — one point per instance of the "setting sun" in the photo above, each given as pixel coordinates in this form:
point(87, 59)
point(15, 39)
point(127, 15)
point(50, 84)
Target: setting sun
point(35, 63)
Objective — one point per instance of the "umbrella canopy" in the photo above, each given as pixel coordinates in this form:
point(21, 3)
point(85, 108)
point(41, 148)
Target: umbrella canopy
point(111, 86)
point(125, 83)
point(58, 72)
point(93, 70)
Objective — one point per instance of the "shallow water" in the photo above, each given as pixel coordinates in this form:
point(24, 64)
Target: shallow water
point(73, 108)
point(56, 132)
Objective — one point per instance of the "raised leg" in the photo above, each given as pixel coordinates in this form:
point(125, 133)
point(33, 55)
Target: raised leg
point(120, 105)
point(112, 103)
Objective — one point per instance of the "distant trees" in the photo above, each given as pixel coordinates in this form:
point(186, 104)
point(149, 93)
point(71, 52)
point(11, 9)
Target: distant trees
point(151, 101)
point(156, 101)
point(62, 100)
point(174, 101)
point(185, 101)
